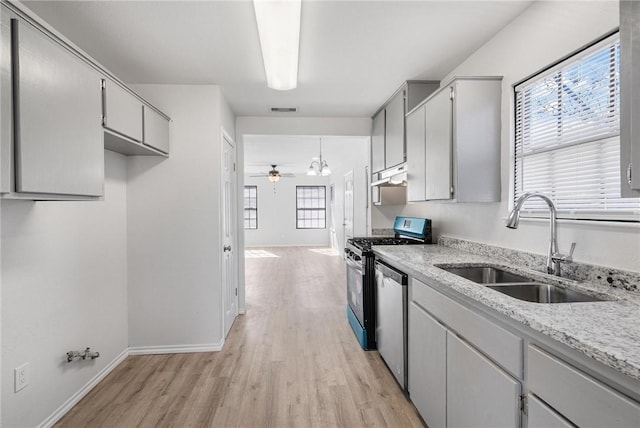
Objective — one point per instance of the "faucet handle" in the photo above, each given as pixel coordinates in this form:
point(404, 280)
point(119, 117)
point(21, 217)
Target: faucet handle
point(561, 258)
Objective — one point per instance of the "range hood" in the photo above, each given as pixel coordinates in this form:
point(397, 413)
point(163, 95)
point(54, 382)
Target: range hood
point(396, 176)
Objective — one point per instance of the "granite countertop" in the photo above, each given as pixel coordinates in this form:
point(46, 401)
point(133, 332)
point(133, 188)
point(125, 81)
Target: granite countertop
point(608, 331)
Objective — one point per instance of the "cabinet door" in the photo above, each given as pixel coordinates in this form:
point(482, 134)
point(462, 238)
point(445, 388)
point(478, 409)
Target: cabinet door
point(415, 155)
point(58, 137)
point(122, 111)
point(6, 115)
point(377, 142)
point(479, 393)
point(438, 146)
point(156, 130)
point(394, 134)
point(540, 415)
point(630, 97)
point(427, 366)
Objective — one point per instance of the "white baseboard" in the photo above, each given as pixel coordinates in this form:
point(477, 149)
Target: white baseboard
point(75, 398)
point(175, 349)
point(134, 350)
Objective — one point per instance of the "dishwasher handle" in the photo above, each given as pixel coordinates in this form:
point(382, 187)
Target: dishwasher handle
point(389, 272)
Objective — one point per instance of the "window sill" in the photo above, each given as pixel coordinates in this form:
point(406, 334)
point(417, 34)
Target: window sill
point(604, 224)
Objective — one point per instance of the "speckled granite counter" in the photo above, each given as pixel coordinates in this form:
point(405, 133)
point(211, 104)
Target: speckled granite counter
point(608, 332)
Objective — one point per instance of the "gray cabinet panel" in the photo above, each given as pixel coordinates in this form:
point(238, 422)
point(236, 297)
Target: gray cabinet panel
point(377, 142)
point(416, 132)
point(479, 394)
point(630, 97)
point(578, 397)
point(6, 115)
point(58, 137)
point(542, 416)
point(438, 141)
point(427, 366)
point(394, 141)
point(122, 111)
point(156, 130)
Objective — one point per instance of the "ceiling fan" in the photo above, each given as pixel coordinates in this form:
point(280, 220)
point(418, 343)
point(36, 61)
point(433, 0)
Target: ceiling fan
point(274, 175)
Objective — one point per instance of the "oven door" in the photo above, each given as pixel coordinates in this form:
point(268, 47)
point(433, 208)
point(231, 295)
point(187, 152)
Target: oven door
point(355, 289)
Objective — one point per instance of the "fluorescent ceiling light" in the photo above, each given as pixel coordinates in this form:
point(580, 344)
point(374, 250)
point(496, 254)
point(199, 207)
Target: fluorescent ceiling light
point(279, 32)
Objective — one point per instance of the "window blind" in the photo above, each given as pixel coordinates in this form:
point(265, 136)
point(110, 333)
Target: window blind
point(567, 135)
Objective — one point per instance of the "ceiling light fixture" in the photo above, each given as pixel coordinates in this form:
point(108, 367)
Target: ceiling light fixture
point(319, 166)
point(279, 32)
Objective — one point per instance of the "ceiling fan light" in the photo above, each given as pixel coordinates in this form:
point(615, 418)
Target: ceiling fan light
point(274, 178)
point(279, 32)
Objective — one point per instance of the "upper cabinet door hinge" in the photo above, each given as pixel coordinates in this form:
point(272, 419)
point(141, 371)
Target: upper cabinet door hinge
point(234, 167)
point(452, 94)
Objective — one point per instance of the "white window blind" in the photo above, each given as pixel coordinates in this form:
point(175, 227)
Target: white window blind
point(567, 137)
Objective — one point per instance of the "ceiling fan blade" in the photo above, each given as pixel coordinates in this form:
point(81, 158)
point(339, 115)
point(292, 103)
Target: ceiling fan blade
point(260, 175)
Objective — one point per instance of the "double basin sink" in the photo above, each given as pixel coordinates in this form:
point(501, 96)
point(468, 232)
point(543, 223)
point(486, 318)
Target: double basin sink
point(518, 286)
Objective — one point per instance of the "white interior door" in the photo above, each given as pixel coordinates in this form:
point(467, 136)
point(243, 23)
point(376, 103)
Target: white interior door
point(228, 220)
point(348, 205)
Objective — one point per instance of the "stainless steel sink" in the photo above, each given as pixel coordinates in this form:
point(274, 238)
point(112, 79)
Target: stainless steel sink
point(543, 293)
point(485, 274)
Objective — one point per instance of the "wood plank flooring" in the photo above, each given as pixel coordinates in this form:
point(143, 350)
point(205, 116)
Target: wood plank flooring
point(291, 361)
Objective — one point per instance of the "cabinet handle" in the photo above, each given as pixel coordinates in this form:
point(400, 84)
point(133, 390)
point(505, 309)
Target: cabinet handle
point(629, 174)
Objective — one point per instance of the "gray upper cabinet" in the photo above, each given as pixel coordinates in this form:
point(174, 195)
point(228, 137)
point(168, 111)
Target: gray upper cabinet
point(461, 154)
point(416, 131)
point(156, 130)
point(57, 107)
point(630, 98)
point(6, 113)
point(394, 134)
point(122, 111)
point(377, 142)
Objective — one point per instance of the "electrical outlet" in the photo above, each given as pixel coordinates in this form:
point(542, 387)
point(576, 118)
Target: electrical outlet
point(21, 377)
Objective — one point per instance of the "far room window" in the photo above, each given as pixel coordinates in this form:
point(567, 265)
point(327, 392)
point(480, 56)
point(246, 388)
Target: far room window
point(311, 203)
point(567, 136)
point(250, 207)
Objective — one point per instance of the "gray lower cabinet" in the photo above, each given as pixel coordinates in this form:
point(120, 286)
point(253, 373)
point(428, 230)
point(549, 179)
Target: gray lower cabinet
point(57, 107)
point(542, 416)
point(122, 111)
point(630, 98)
point(156, 130)
point(428, 366)
point(576, 396)
point(479, 393)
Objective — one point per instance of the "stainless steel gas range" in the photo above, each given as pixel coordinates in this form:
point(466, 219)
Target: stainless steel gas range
point(361, 283)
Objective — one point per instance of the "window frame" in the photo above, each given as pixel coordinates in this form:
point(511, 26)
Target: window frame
point(516, 163)
point(323, 209)
point(255, 187)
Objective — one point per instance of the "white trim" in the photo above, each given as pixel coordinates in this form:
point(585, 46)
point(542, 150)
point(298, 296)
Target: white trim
point(75, 398)
point(176, 349)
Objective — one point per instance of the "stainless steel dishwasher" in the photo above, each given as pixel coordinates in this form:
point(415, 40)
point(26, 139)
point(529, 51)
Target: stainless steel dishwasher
point(391, 320)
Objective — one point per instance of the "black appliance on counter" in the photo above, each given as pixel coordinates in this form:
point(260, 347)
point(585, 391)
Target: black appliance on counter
point(361, 285)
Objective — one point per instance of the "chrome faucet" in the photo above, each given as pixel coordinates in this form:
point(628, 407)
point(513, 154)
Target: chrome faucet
point(554, 258)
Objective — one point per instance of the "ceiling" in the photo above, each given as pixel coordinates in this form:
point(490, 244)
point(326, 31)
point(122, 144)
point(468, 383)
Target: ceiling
point(353, 54)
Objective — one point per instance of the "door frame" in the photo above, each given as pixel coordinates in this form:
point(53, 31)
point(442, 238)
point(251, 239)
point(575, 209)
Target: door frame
point(224, 135)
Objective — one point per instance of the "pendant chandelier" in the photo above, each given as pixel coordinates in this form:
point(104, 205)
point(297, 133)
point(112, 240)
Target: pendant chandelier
point(319, 166)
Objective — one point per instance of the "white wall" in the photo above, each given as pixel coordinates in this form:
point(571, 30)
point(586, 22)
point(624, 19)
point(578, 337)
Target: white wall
point(173, 208)
point(277, 214)
point(64, 287)
point(544, 33)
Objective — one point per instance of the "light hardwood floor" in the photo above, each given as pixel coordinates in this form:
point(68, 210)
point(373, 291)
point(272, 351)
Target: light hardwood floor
point(291, 361)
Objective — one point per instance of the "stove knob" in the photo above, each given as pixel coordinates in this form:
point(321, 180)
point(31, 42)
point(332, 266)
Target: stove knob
point(357, 258)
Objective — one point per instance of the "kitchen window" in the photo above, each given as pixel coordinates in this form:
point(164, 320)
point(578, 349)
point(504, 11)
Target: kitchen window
point(250, 207)
point(567, 136)
point(311, 207)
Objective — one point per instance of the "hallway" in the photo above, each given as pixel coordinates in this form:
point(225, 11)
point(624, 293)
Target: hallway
point(292, 360)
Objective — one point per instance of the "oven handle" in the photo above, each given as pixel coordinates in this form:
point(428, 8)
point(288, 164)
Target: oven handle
point(356, 266)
